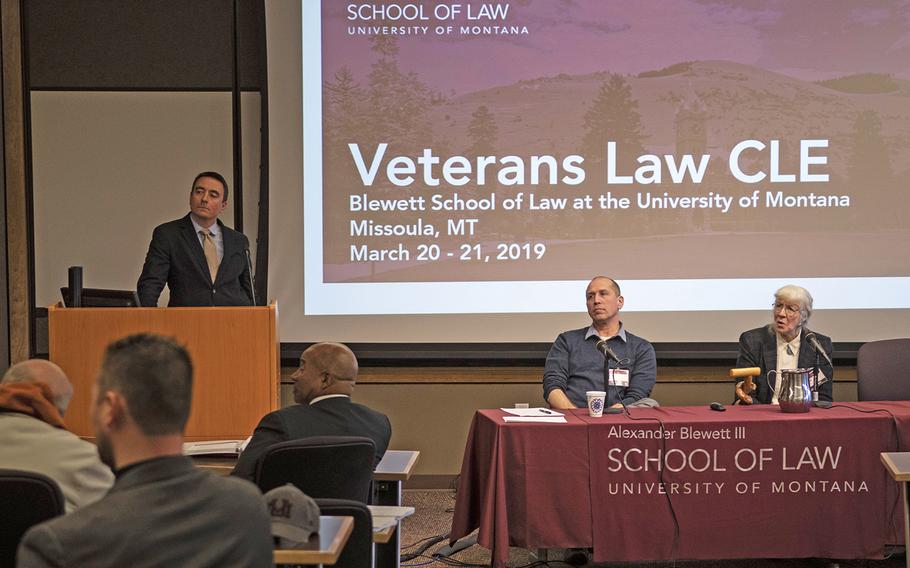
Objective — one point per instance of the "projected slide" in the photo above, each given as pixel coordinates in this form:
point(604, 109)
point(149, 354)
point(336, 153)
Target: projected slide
point(487, 156)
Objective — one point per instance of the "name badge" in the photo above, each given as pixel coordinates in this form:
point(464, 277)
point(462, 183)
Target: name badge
point(619, 377)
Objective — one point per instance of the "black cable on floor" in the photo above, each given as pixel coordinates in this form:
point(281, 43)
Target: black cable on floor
point(413, 544)
point(431, 541)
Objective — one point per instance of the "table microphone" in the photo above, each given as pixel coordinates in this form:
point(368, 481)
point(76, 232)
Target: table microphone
point(609, 355)
point(813, 341)
point(819, 350)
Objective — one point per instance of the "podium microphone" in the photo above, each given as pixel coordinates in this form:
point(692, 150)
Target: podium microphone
point(249, 266)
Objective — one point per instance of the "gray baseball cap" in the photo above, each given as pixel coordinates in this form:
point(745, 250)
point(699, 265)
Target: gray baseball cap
point(295, 515)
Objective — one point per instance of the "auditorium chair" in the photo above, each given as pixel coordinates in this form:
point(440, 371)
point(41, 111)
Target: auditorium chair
point(358, 552)
point(883, 370)
point(323, 467)
point(28, 499)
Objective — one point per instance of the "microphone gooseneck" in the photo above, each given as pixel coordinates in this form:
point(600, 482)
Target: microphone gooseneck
point(816, 344)
point(249, 266)
point(609, 353)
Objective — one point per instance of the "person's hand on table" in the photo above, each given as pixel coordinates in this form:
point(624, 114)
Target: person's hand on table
point(559, 401)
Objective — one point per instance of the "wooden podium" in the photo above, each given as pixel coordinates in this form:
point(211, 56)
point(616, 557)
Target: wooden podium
point(235, 353)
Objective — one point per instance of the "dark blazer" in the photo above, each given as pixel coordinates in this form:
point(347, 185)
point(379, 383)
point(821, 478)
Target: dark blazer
point(758, 348)
point(175, 258)
point(163, 512)
point(338, 416)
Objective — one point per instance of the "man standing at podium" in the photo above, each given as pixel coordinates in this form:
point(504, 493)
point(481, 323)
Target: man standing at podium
point(203, 262)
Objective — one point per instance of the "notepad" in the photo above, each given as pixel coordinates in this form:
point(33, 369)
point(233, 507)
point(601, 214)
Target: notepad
point(531, 412)
point(546, 419)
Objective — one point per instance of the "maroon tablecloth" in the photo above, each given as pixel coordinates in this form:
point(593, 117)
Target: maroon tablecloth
point(751, 482)
point(524, 485)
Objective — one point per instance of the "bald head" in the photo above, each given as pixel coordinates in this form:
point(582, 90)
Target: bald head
point(606, 280)
point(325, 368)
point(334, 358)
point(41, 371)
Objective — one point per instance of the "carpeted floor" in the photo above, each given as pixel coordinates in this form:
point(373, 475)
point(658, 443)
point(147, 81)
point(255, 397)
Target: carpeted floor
point(433, 517)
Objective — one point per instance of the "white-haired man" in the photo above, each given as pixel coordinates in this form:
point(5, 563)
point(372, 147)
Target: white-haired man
point(34, 396)
point(783, 345)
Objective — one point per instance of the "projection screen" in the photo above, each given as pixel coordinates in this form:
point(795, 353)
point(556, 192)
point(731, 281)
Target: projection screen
point(458, 171)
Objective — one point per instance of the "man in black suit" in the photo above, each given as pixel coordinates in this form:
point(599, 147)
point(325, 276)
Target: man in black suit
point(323, 385)
point(203, 262)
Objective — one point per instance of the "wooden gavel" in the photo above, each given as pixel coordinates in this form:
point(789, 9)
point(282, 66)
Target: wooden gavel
point(746, 373)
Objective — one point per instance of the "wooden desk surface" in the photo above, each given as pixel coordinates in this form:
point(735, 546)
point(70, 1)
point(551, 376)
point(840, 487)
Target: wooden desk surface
point(323, 549)
point(386, 519)
point(384, 534)
point(396, 465)
point(220, 464)
point(390, 511)
point(898, 464)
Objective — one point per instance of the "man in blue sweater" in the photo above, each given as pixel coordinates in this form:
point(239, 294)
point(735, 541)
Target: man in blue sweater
point(575, 363)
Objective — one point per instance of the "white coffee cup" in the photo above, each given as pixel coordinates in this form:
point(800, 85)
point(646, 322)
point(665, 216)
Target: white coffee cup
point(596, 401)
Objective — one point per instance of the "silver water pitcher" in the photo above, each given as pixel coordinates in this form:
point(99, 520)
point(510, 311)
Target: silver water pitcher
point(795, 393)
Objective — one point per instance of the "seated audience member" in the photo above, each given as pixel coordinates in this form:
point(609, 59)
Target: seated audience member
point(33, 399)
point(161, 511)
point(783, 345)
point(323, 386)
point(575, 364)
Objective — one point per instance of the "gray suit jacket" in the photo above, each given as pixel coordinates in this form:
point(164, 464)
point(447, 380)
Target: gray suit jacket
point(163, 512)
point(175, 258)
point(758, 348)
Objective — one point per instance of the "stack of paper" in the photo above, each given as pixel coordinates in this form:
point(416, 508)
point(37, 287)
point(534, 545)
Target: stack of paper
point(214, 447)
point(533, 415)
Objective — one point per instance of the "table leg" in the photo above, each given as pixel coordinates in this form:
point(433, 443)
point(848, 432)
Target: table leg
point(906, 523)
point(388, 555)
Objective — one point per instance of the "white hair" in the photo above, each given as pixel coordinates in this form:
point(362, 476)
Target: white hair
point(799, 295)
point(38, 370)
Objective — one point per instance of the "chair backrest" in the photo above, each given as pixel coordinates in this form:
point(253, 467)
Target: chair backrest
point(323, 467)
point(28, 499)
point(882, 369)
point(358, 552)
